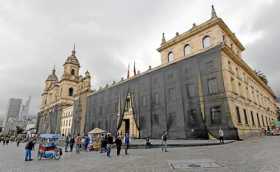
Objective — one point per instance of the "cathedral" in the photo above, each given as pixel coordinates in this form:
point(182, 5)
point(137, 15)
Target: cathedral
point(59, 94)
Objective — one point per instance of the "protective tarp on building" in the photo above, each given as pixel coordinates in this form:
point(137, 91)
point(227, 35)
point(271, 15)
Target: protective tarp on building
point(174, 98)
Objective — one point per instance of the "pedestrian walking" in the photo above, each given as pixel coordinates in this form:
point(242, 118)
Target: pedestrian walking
point(28, 150)
point(7, 140)
point(71, 142)
point(86, 142)
point(104, 143)
point(78, 142)
point(164, 142)
point(67, 141)
point(126, 142)
point(109, 145)
point(18, 141)
point(118, 142)
point(221, 136)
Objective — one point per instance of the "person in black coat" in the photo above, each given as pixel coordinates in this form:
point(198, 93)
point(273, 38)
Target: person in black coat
point(109, 145)
point(118, 142)
point(71, 142)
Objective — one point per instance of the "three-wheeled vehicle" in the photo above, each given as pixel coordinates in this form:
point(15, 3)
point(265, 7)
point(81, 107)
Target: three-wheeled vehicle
point(48, 148)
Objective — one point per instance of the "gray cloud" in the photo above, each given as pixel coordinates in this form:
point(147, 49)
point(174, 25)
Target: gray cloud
point(35, 35)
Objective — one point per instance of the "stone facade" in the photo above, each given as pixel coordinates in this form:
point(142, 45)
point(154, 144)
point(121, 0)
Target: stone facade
point(60, 94)
point(202, 84)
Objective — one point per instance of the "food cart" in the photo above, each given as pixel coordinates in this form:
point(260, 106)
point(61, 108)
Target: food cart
point(95, 136)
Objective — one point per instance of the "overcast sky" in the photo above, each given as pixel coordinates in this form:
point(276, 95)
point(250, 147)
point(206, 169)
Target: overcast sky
point(35, 35)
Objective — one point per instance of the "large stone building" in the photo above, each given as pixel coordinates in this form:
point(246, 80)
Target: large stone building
point(202, 84)
point(60, 94)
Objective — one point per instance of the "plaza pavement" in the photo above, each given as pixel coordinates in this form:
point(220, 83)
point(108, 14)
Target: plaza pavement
point(252, 155)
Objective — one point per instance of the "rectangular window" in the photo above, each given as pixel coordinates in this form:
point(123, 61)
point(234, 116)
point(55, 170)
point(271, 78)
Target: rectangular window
point(99, 124)
point(144, 103)
point(171, 121)
point(156, 98)
point(245, 116)
point(240, 89)
point(171, 94)
point(252, 118)
point(238, 114)
point(116, 107)
point(210, 65)
point(190, 89)
point(192, 117)
point(233, 86)
point(142, 121)
point(155, 119)
point(212, 86)
point(215, 113)
point(100, 110)
point(229, 66)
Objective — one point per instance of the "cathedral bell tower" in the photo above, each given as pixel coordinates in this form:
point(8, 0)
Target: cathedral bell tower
point(71, 67)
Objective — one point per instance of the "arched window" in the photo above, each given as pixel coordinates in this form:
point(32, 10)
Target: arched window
point(72, 72)
point(71, 91)
point(187, 49)
point(206, 41)
point(170, 56)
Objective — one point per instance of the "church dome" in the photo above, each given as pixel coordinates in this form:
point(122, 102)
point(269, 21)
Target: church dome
point(52, 77)
point(72, 59)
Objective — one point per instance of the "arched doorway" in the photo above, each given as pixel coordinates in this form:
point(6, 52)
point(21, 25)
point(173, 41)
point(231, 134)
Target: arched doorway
point(128, 123)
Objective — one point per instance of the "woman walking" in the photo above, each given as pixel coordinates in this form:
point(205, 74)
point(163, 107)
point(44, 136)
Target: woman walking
point(78, 142)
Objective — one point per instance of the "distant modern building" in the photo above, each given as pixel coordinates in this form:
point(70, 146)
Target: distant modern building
point(13, 112)
point(14, 108)
point(24, 113)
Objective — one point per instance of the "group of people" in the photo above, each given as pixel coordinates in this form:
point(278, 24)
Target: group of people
point(5, 140)
point(107, 142)
point(80, 142)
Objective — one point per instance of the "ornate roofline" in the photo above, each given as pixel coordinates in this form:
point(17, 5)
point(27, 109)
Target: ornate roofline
point(197, 29)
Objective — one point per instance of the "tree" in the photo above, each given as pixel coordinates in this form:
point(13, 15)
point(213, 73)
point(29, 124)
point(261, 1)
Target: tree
point(262, 76)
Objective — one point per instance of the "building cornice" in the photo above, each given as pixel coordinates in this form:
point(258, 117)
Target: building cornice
point(200, 28)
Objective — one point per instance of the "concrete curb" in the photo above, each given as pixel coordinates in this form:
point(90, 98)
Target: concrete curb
point(172, 145)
